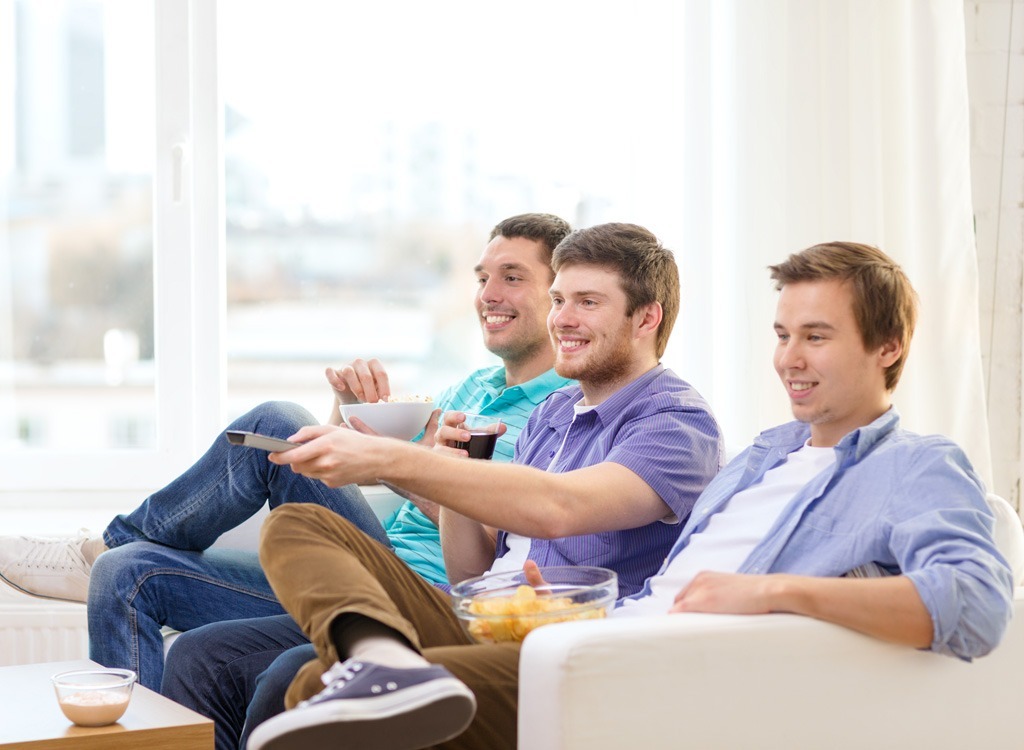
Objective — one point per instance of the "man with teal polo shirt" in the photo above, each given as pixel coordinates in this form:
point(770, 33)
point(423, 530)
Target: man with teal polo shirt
point(413, 530)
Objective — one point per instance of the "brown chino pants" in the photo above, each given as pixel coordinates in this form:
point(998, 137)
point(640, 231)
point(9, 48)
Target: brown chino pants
point(321, 566)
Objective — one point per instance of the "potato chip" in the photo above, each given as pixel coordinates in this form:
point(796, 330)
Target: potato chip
point(511, 618)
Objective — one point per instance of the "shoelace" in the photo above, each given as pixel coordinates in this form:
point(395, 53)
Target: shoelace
point(54, 553)
point(335, 679)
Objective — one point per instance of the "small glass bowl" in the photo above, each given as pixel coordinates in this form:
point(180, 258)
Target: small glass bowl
point(505, 607)
point(94, 697)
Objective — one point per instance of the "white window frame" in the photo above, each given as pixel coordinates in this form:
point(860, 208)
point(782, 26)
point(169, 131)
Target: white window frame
point(189, 278)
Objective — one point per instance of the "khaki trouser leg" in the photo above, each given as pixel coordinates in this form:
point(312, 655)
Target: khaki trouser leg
point(492, 673)
point(321, 566)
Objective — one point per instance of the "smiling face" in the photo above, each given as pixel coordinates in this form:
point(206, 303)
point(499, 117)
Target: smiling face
point(595, 341)
point(512, 303)
point(834, 383)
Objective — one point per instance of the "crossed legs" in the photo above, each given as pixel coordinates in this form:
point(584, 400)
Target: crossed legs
point(326, 574)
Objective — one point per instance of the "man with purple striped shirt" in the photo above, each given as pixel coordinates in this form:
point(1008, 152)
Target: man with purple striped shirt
point(603, 474)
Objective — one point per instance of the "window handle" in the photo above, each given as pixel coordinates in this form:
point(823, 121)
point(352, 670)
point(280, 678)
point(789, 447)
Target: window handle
point(179, 153)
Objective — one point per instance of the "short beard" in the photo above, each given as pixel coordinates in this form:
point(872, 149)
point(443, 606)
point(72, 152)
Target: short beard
point(611, 369)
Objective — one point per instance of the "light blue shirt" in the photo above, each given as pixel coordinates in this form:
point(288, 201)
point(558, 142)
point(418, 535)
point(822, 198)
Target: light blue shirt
point(414, 537)
point(911, 504)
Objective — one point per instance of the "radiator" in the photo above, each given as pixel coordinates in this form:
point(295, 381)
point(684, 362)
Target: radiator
point(37, 630)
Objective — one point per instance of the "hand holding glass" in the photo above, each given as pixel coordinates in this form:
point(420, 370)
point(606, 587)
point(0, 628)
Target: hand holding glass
point(483, 435)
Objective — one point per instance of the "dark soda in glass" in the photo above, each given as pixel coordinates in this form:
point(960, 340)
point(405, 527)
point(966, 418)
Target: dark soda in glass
point(480, 445)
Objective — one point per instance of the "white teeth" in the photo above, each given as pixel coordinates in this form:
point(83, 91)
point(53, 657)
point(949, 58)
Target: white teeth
point(571, 344)
point(801, 386)
point(495, 319)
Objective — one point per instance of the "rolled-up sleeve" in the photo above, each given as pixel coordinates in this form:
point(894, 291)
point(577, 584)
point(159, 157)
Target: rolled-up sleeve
point(942, 539)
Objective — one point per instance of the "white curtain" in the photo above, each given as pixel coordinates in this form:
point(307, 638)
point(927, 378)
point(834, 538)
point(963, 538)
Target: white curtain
point(817, 120)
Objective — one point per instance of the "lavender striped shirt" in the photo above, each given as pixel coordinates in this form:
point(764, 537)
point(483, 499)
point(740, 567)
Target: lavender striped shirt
point(660, 428)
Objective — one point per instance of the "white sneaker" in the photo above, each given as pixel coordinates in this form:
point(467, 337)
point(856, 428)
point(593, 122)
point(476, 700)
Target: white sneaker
point(46, 567)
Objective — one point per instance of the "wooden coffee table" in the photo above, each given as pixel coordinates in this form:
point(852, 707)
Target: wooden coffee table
point(30, 718)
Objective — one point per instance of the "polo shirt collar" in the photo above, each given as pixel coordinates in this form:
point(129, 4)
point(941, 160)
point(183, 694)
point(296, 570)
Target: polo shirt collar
point(534, 390)
point(538, 389)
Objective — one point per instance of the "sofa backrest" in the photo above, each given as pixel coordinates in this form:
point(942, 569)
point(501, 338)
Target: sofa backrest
point(1009, 535)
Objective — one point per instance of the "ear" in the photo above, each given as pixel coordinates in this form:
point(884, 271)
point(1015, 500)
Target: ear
point(647, 319)
point(889, 352)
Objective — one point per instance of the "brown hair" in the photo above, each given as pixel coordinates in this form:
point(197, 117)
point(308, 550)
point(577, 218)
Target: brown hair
point(647, 270)
point(547, 229)
point(884, 302)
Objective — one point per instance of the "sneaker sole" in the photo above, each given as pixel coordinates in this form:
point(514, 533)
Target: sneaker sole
point(16, 587)
point(416, 719)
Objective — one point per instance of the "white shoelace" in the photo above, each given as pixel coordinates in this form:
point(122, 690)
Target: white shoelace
point(55, 554)
point(335, 679)
point(342, 670)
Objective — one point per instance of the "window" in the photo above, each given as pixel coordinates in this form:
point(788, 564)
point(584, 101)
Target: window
point(77, 252)
point(83, 352)
point(370, 149)
point(204, 204)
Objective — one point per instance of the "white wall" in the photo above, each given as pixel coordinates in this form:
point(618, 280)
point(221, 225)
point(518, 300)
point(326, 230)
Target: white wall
point(995, 70)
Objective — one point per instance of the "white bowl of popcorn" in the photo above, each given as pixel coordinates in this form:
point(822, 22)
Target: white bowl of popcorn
point(403, 418)
point(505, 607)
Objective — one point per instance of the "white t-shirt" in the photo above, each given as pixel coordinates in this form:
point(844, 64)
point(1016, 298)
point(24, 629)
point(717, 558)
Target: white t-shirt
point(519, 546)
point(732, 533)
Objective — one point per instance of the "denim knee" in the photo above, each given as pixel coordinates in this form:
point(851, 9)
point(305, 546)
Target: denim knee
point(117, 572)
point(190, 661)
point(272, 686)
point(277, 418)
point(274, 681)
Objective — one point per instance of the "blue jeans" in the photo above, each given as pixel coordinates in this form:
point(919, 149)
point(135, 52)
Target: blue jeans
point(159, 571)
point(236, 673)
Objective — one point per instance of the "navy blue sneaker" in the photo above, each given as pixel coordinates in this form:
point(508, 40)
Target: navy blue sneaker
point(372, 706)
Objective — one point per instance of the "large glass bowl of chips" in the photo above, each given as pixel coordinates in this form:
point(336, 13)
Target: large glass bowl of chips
point(501, 607)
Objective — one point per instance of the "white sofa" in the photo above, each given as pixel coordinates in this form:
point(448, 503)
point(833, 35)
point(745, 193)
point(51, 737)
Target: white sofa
point(766, 681)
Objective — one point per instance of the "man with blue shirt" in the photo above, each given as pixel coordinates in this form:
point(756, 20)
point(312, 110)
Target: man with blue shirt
point(603, 475)
point(841, 515)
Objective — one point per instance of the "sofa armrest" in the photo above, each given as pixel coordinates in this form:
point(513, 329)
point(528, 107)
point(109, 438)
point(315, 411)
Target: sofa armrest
point(785, 681)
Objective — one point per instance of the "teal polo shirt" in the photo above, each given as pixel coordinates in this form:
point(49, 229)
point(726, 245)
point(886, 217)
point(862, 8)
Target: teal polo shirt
point(415, 538)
